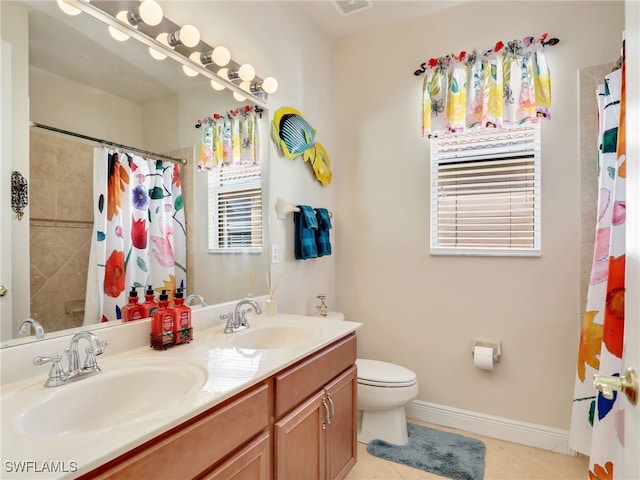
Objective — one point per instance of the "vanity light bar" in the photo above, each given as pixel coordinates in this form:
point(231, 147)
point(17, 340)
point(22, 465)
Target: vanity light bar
point(258, 98)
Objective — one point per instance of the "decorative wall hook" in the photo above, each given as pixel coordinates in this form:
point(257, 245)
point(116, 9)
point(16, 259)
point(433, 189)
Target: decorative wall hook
point(19, 193)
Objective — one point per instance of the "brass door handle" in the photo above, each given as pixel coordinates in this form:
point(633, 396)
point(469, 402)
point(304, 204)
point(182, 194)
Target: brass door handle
point(628, 384)
point(3, 290)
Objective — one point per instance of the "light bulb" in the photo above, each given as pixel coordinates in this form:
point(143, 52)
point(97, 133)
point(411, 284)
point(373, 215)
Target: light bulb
point(270, 85)
point(190, 72)
point(188, 35)
point(150, 12)
point(221, 56)
point(246, 72)
point(68, 9)
point(216, 86)
point(117, 34)
point(245, 86)
point(239, 97)
point(224, 73)
point(162, 38)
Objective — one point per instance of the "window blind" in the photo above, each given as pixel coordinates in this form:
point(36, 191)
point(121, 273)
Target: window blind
point(485, 192)
point(235, 208)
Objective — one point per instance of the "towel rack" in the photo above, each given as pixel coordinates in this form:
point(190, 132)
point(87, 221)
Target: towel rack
point(284, 208)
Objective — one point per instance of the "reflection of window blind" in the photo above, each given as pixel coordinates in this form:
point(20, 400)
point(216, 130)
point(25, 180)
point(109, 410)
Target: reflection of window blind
point(235, 208)
point(485, 192)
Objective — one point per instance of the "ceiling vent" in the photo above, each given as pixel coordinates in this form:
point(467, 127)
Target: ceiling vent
point(348, 7)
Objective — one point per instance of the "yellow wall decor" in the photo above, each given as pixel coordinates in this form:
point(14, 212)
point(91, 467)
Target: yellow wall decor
point(293, 134)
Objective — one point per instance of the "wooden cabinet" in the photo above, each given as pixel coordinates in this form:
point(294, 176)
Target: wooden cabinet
point(298, 424)
point(253, 462)
point(194, 447)
point(316, 439)
point(341, 433)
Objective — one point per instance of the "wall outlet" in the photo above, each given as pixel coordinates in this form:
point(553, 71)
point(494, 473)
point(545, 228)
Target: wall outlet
point(275, 254)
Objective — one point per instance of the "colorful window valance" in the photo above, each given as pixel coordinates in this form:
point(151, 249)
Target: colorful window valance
point(230, 138)
point(507, 85)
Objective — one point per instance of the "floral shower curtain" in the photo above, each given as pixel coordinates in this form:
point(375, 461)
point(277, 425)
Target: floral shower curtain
point(597, 424)
point(139, 233)
point(507, 85)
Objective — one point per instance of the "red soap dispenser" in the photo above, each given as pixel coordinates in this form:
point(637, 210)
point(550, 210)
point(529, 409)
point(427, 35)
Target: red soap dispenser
point(150, 304)
point(133, 310)
point(162, 324)
point(182, 330)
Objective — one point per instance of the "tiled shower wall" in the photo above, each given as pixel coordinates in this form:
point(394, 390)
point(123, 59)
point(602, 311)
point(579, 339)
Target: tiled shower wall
point(61, 222)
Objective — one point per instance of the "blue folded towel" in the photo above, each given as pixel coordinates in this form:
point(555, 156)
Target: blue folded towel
point(322, 233)
point(305, 240)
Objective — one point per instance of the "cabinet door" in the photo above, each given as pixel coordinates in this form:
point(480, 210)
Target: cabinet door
point(299, 443)
point(341, 395)
point(250, 463)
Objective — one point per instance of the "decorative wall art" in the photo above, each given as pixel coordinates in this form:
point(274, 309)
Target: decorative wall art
point(19, 193)
point(295, 137)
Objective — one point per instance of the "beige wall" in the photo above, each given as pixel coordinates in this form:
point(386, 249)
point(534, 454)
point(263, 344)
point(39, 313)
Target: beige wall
point(423, 311)
point(14, 32)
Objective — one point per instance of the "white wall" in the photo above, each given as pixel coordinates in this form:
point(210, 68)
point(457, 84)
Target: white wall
point(14, 32)
point(119, 120)
point(423, 311)
point(268, 35)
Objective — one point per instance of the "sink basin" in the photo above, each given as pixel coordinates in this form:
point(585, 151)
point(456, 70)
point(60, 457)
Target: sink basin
point(120, 394)
point(272, 336)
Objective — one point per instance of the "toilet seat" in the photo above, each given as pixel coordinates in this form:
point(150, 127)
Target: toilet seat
point(382, 374)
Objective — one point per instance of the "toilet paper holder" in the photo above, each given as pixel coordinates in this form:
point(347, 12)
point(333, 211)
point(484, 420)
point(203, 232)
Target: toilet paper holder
point(495, 345)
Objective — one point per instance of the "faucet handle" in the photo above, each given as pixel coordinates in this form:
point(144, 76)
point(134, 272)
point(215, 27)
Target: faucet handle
point(98, 349)
point(57, 375)
point(90, 362)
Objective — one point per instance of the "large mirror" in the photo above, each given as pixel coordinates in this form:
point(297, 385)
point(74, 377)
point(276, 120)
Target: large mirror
point(84, 81)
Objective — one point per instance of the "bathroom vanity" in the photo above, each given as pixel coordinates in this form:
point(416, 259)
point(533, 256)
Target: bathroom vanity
point(285, 408)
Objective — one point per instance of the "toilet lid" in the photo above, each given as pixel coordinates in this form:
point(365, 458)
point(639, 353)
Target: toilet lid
point(383, 374)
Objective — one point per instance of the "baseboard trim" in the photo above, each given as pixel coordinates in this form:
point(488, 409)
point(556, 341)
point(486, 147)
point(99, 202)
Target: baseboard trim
point(539, 436)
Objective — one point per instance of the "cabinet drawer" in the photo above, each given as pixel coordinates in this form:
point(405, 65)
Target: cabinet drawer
point(252, 462)
point(190, 450)
point(298, 382)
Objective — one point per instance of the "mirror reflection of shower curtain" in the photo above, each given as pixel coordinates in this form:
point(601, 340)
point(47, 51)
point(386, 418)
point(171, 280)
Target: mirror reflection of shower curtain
point(597, 423)
point(139, 234)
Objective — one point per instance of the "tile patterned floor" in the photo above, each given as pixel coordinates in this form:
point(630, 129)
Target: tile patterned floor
point(503, 461)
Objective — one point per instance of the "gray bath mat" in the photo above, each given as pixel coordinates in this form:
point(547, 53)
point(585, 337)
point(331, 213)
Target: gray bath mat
point(443, 453)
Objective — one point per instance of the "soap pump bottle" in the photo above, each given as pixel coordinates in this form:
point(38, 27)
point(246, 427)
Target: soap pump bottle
point(133, 310)
point(182, 330)
point(162, 324)
point(150, 305)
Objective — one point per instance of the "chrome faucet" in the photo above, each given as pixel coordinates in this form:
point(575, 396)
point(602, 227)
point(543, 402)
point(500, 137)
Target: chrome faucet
point(57, 375)
point(37, 328)
point(237, 320)
point(90, 366)
point(195, 296)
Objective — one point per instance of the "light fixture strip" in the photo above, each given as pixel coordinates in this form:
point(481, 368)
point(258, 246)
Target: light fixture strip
point(133, 32)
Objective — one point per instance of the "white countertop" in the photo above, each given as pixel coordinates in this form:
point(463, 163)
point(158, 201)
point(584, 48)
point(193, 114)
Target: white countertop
point(226, 371)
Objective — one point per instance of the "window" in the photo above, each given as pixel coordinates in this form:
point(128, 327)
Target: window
point(485, 192)
point(235, 209)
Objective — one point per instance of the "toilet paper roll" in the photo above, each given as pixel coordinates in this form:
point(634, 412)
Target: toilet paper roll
point(483, 358)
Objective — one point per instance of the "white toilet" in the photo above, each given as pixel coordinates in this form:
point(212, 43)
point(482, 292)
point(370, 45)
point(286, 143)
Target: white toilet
point(384, 389)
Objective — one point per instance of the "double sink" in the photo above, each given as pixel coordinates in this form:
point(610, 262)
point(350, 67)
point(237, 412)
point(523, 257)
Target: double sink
point(143, 387)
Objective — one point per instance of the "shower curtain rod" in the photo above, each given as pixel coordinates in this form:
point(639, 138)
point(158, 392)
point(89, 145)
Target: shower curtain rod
point(156, 156)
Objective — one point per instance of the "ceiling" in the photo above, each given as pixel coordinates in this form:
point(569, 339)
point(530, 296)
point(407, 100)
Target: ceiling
point(55, 39)
point(383, 14)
